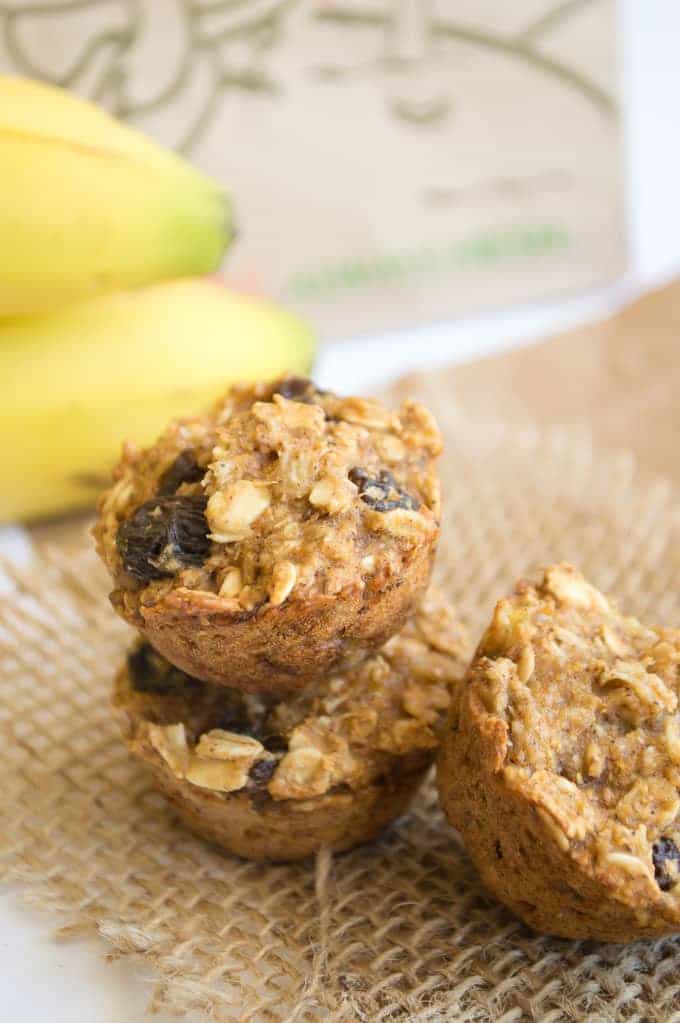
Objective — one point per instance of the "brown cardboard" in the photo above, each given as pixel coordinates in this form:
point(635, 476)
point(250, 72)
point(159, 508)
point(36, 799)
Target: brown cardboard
point(618, 378)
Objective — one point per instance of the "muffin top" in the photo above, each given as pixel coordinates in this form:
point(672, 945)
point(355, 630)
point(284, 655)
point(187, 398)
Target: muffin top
point(346, 730)
point(579, 707)
point(281, 490)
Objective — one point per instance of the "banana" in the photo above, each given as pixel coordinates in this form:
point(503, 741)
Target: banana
point(89, 205)
point(75, 382)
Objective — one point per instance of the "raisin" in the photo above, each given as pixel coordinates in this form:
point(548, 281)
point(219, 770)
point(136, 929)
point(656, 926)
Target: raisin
point(665, 853)
point(261, 772)
point(163, 536)
point(151, 673)
point(298, 389)
point(275, 743)
point(382, 492)
point(185, 469)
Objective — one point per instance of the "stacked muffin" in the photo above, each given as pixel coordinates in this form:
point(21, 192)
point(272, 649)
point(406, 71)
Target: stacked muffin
point(293, 677)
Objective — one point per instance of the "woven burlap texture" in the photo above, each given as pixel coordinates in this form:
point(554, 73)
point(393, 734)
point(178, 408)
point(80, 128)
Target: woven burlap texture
point(398, 930)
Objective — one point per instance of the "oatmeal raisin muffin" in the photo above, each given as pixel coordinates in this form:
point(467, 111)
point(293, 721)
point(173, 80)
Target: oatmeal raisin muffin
point(560, 765)
point(280, 779)
point(287, 533)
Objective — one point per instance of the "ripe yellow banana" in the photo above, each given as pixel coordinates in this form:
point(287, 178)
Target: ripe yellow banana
point(74, 383)
point(89, 205)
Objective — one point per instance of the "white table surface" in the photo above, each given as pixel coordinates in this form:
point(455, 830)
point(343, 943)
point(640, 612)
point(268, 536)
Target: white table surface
point(42, 979)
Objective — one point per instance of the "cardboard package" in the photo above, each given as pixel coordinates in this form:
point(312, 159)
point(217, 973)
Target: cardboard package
point(390, 162)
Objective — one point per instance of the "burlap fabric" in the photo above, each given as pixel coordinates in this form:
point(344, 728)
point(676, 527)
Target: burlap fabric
point(399, 930)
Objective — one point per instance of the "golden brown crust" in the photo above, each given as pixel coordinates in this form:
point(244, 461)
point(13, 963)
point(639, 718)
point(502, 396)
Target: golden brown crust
point(560, 765)
point(291, 830)
point(320, 521)
point(279, 649)
point(326, 768)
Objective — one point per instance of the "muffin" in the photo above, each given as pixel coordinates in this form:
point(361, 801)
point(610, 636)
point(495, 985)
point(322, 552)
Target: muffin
point(287, 533)
point(560, 765)
point(279, 779)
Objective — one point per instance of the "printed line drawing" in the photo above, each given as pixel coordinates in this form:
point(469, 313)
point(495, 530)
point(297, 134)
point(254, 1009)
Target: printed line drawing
point(410, 17)
point(411, 34)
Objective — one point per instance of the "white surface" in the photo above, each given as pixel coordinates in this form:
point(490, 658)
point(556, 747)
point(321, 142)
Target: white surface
point(63, 982)
point(47, 979)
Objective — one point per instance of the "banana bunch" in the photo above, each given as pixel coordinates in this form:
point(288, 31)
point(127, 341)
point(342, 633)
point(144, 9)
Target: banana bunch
point(89, 205)
point(106, 331)
point(76, 381)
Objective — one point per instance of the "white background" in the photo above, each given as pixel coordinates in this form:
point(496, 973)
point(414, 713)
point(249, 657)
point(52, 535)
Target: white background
point(64, 982)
